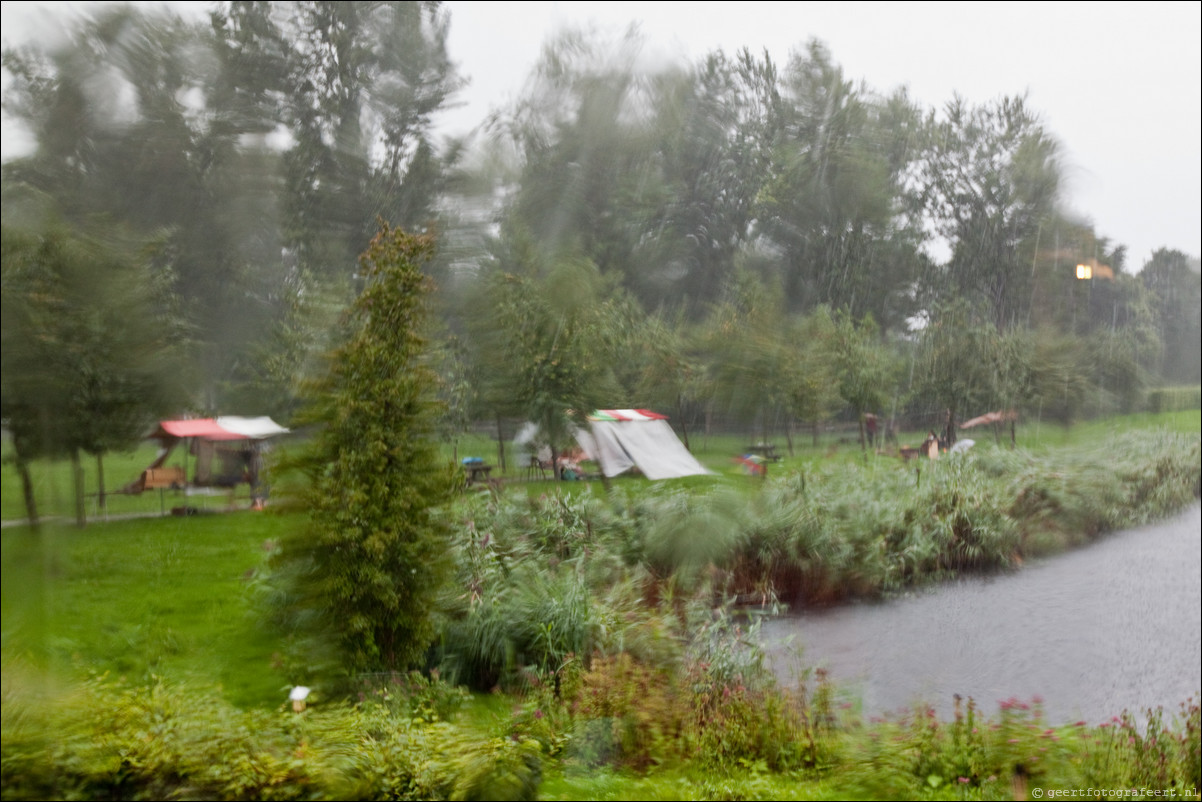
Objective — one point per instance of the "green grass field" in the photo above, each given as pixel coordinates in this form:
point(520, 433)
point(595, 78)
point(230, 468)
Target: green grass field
point(168, 597)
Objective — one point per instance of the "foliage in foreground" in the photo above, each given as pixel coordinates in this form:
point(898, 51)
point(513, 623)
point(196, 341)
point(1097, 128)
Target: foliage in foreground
point(163, 742)
point(622, 729)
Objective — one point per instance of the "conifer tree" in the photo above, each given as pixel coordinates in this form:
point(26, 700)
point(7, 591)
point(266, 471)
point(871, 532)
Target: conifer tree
point(366, 571)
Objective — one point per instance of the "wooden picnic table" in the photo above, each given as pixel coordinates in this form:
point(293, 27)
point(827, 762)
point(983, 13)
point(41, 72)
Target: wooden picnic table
point(477, 471)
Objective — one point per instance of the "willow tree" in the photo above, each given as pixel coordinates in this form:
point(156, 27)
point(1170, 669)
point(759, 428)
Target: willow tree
point(365, 572)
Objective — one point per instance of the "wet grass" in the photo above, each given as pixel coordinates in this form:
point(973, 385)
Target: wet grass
point(156, 597)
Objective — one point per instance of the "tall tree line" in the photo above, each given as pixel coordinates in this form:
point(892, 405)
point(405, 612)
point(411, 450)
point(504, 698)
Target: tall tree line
point(262, 146)
point(665, 234)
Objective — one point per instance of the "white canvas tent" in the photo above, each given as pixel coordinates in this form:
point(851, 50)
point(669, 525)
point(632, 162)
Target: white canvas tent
point(621, 439)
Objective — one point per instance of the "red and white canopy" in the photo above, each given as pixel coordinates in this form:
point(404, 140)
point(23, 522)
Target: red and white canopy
point(229, 427)
point(625, 415)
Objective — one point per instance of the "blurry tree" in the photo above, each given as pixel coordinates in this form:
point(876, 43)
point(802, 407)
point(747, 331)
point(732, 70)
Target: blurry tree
point(815, 396)
point(649, 174)
point(355, 86)
point(264, 145)
point(345, 93)
point(1175, 283)
point(1113, 313)
point(1058, 298)
point(456, 390)
point(541, 344)
point(1124, 340)
point(957, 364)
point(1061, 376)
point(866, 370)
point(837, 204)
point(712, 134)
point(364, 574)
point(674, 375)
point(753, 365)
point(1123, 365)
point(990, 180)
point(123, 119)
point(580, 136)
point(92, 347)
point(1013, 377)
point(270, 373)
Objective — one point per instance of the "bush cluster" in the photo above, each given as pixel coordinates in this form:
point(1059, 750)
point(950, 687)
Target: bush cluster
point(109, 741)
point(541, 578)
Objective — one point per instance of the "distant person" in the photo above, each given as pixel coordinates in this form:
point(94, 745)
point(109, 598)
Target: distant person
point(870, 428)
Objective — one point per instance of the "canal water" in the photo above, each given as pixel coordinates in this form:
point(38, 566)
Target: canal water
point(1115, 625)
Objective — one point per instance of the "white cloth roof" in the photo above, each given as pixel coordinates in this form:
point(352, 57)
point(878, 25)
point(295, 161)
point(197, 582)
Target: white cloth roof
point(251, 428)
point(650, 445)
point(638, 439)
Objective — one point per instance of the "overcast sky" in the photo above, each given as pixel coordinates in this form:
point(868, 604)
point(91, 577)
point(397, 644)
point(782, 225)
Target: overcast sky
point(1120, 84)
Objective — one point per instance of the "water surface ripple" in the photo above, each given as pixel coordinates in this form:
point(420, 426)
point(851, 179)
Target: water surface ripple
point(1115, 625)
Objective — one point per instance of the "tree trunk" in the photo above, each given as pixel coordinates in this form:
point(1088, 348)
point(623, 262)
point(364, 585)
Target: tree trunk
point(789, 435)
point(500, 445)
point(31, 505)
point(100, 501)
point(863, 436)
point(684, 429)
point(77, 474)
point(815, 430)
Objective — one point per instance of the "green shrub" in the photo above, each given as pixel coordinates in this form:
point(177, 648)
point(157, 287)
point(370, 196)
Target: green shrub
point(104, 740)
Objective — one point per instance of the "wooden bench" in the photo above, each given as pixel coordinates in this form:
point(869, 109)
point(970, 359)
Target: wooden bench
point(159, 478)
